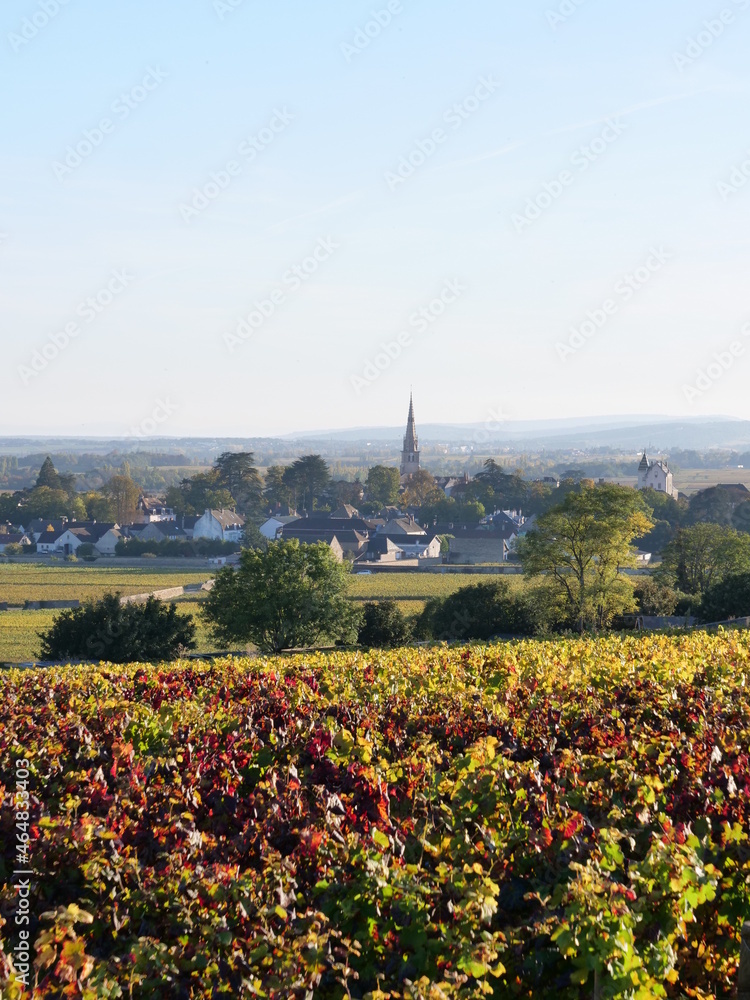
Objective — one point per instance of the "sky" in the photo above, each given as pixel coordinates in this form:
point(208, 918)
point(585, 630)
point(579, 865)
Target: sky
point(249, 218)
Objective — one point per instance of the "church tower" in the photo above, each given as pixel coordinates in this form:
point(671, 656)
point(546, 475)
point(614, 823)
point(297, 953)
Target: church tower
point(410, 453)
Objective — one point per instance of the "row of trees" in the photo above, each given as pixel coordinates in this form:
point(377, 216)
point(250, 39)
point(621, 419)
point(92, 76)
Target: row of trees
point(54, 495)
point(294, 595)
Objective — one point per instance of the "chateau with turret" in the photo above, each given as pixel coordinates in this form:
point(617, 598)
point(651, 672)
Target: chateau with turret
point(410, 452)
point(656, 476)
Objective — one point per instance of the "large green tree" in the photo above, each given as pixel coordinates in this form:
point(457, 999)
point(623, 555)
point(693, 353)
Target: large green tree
point(383, 626)
point(277, 489)
point(479, 611)
point(582, 545)
point(287, 596)
point(309, 478)
point(421, 489)
point(98, 507)
point(200, 493)
point(728, 599)
point(703, 555)
point(236, 472)
point(383, 484)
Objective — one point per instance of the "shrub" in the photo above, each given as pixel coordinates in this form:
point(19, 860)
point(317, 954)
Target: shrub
point(479, 611)
point(121, 633)
point(384, 625)
point(656, 598)
point(728, 599)
point(87, 552)
point(13, 549)
point(181, 548)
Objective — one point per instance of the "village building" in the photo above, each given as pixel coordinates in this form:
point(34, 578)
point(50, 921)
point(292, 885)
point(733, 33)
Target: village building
point(271, 529)
point(656, 476)
point(13, 538)
point(220, 525)
point(151, 509)
point(161, 531)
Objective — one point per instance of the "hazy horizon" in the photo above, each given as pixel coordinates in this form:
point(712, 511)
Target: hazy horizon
point(534, 212)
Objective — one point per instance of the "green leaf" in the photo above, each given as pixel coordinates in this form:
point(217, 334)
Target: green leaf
point(380, 839)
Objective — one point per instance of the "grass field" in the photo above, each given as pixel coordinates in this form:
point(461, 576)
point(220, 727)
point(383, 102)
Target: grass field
point(38, 582)
point(19, 641)
point(417, 586)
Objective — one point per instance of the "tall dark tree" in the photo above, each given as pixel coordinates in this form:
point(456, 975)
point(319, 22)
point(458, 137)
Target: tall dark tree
point(309, 477)
point(200, 493)
point(277, 489)
point(236, 472)
point(48, 475)
point(509, 490)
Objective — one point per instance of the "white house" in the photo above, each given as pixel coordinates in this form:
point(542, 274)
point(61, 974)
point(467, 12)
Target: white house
point(72, 539)
point(153, 509)
point(220, 525)
point(14, 538)
point(656, 476)
point(39, 526)
point(105, 545)
point(104, 537)
point(46, 542)
point(271, 529)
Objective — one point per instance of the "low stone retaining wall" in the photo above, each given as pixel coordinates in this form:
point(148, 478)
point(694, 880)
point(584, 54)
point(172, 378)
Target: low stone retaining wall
point(50, 605)
point(160, 595)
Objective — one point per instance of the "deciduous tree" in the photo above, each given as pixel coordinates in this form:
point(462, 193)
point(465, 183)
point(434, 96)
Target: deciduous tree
point(123, 494)
point(383, 484)
point(582, 545)
point(287, 596)
point(703, 555)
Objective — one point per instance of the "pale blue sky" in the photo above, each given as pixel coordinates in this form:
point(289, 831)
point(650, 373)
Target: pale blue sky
point(159, 354)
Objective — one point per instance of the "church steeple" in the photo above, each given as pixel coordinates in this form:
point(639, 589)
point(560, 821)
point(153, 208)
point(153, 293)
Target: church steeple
point(410, 453)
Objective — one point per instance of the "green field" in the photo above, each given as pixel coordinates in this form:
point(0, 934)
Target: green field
point(417, 586)
point(39, 582)
point(19, 641)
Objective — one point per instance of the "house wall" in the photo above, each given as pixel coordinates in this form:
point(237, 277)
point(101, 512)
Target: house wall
point(106, 544)
point(68, 543)
point(269, 529)
point(476, 550)
point(208, 527)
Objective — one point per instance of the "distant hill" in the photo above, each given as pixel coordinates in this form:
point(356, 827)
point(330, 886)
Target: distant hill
point(658, 434)
point(630, 433)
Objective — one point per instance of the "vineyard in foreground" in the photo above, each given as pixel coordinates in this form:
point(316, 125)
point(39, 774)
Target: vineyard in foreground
point(525, 820)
